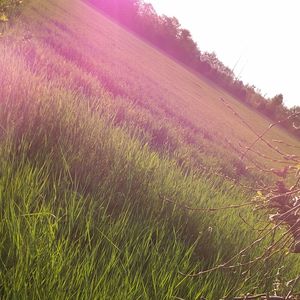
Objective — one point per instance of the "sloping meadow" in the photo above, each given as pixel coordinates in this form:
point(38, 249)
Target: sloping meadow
point(85, 172)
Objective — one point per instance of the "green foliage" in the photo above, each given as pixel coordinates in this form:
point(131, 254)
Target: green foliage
point(277, 100)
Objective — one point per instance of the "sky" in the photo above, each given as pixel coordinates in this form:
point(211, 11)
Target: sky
point(259, 39)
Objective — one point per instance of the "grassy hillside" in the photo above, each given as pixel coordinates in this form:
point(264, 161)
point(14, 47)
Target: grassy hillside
point(96, 129)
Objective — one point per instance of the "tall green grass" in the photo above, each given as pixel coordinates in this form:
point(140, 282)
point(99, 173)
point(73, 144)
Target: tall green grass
point(81, 182)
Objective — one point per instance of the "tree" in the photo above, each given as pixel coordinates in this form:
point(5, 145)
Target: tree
point(188, 50)
point(277, 100)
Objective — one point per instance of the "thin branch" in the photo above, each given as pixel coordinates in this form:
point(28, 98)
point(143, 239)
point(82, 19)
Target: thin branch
point(252, 227)
point(293, 287)
point(257, 241)
point(261, 136)
point(183, 206)
point(286, 144)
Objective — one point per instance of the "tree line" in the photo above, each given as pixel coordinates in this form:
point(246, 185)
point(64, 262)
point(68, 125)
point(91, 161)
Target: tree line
point(167, 34)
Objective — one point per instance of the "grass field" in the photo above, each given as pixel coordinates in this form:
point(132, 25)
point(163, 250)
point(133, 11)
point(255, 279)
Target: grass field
point(96, 128)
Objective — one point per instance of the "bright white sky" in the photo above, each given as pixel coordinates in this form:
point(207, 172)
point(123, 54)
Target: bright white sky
point(260, 38)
